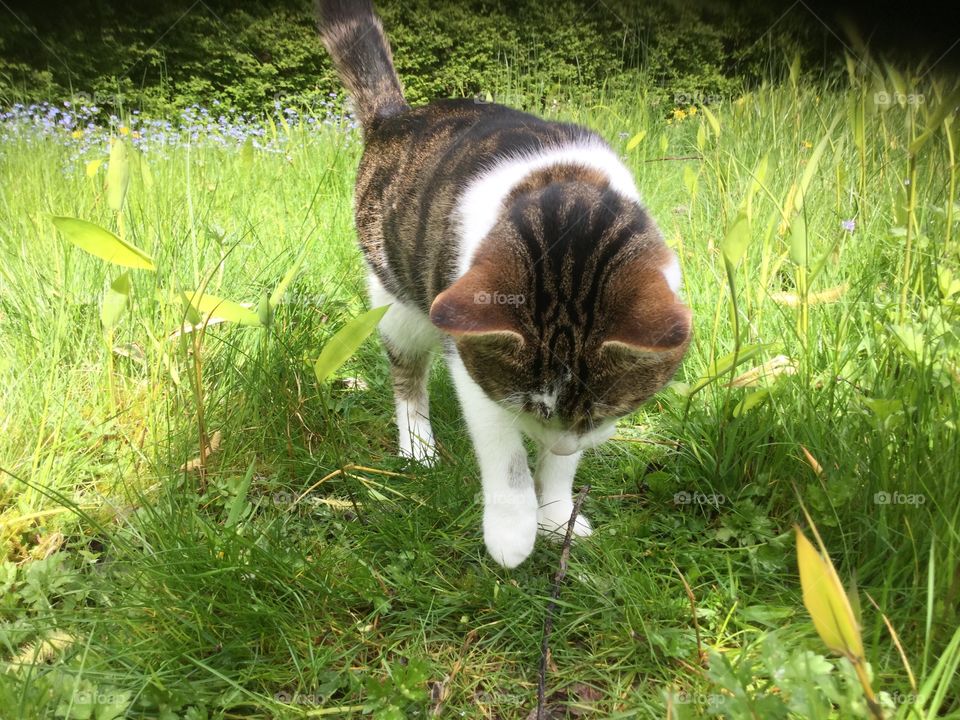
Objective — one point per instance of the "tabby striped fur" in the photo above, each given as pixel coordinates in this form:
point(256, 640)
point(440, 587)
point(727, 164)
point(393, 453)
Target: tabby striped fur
point(521, 247)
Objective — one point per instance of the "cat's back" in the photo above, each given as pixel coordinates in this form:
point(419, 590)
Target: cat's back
point(414, 167)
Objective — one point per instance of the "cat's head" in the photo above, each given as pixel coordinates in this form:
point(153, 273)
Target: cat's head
point(568, 313)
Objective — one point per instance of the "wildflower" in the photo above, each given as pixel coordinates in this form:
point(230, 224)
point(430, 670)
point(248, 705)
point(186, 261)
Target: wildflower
point(692, 111)
point(679, 114)
point(135, 135)
point(806, 144)
point(124, 130)
point(76, 134)
point(849, 225)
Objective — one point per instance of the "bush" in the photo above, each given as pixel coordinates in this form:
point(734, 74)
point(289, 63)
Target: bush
point(251, 54)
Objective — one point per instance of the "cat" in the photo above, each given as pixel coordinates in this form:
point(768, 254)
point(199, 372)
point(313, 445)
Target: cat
point(520, 246)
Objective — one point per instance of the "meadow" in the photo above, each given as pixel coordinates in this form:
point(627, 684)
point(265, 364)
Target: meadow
point(195, 525)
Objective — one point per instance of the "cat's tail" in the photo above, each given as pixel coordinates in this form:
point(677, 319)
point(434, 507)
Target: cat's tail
point(361, 54)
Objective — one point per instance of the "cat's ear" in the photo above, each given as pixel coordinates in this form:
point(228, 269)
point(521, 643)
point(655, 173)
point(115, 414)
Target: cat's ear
point(649, 316)
point(652, 329)
point(474, 305)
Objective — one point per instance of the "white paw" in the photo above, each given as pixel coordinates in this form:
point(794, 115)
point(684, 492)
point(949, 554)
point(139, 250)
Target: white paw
point(510, 531)
point(423, 452)
point(419, 445)
point(553, 518)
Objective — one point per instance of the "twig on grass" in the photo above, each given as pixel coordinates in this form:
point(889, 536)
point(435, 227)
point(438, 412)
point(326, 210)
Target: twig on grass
point(701, 655)
point(551, 606)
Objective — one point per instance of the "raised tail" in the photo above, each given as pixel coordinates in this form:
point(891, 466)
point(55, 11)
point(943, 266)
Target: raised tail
point(352, 33)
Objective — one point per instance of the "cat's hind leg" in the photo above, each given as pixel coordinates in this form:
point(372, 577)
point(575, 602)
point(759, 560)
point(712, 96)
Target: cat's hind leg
point(410, 339)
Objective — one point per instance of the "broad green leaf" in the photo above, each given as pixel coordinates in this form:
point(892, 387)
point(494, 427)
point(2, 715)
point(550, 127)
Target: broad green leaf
point(118, 174)
point(947, 106)
point(264, 311)
point(726, 363)
point(103, 243)
point(115, 300)
point(826, 601)
point(284, 283)
point(798, 240)
point(911, 339)
point(690, 179)
point(712, 119)
point(795, 70)
point(899, 85)
point(346, 342)
point(759, 175)
point(812, 164)
point(636, 140)
point(949, 285)
point(734, 244)
point(750, 401)
point(851, 69)
point(882, 407)
point(193, 317)
point(216, 307)
point(239, 502)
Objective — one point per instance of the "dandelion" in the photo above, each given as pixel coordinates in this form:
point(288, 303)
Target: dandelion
point(76, 134)
point(679, 114)
point(124, 130)
point(849, 225)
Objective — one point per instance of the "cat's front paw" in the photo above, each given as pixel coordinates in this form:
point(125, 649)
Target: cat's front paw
point(419, 444)
point(422, 451)
point(510, 533)
point(553, 518)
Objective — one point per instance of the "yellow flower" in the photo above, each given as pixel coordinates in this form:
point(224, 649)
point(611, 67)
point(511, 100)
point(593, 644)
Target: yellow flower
point(679, 114)
point(692, 110)
point(135, 134)
point(806, 144)
point(124, 130)
point(76, 134)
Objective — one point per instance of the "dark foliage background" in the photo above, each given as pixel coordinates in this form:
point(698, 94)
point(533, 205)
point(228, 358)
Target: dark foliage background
point(167, 54)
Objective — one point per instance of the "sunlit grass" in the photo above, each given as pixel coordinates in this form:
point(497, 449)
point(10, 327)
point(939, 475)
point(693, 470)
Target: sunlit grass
point(133, 582)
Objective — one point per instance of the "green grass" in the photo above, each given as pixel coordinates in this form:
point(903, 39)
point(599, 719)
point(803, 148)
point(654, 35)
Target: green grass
point(133, 586)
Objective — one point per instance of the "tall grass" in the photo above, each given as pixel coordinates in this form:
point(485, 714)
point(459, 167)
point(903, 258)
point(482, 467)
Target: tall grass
point(160, 561)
